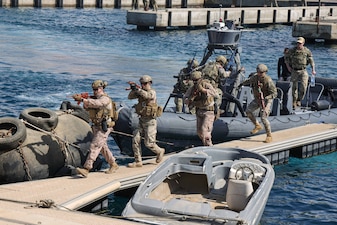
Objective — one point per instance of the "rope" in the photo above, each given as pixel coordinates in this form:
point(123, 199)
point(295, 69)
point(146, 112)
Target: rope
point(49, 133)
point(44, 203)
point(130, 135)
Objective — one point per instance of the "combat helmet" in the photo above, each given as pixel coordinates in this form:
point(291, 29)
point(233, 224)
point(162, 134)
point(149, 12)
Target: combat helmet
point(221, 59)
point(145, 79)
point(196, 75)
point(99, 83)
point(262, 68)
point(193, 62)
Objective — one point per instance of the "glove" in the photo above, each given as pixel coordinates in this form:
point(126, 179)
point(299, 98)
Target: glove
point(77, 97)
point(133, 86)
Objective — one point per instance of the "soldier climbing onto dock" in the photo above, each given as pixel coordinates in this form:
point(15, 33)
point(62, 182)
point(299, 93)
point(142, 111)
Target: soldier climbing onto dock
point(201, 96)
point(264, 91)
point(103, 114)
point(148, 111)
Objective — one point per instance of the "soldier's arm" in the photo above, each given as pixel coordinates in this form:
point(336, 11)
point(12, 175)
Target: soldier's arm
point(210, 91)
point(287, 60)
point(96, 103)
point(149, 95)
point(311, 62)
point(272, 90)
point(132, 94)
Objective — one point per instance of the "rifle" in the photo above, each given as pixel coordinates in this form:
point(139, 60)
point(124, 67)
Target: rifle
point(132, 86)
point(261, 97)
point(196, 93)
point(85, 95)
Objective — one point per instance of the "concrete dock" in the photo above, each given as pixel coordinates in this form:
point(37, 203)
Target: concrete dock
point(203, 17)
point(24, 202)
point(322, 28)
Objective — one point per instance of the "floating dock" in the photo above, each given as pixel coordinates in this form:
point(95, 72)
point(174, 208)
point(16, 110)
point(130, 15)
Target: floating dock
point(55, 200)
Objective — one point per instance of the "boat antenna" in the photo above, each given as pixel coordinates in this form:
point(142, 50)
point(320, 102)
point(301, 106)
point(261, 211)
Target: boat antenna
point(220, 5)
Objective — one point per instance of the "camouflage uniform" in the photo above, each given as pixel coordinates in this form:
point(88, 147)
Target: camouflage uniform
point(154, 5)
point(215, 72)
point(269, 92)
point(298, 59)
point(99, 107)
point(201, 95)
point(183, 84)
point(147, 126)
point(146, 5)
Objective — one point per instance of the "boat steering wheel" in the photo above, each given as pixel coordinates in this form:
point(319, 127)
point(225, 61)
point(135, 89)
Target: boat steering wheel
point(247, 173)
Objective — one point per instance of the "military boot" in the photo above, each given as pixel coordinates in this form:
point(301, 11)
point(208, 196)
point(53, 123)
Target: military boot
point(268, 138)
point(135, 164)
point(257, 128)
point(83, 171)
point(160, 155)
point(113, 168)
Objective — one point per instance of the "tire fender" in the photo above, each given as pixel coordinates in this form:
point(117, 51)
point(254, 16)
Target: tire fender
point(12, 133)
point(40, 117)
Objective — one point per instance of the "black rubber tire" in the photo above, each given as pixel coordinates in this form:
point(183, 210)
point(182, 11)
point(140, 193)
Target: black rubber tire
point(78, 111)
point(40, 117)
point(18, 133)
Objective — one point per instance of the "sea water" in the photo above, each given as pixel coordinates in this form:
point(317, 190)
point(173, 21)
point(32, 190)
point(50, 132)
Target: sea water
point(48, 54)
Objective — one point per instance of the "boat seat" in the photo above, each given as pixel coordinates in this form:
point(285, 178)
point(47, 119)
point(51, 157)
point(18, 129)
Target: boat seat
point(277, 103)
point(276, 107)
point(313, 94)
point(287, 97)
point(246, 96)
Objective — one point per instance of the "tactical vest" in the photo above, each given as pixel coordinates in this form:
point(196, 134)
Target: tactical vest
point(108, 113)
point(146, 109)
point(299, 58)
point(264, 86)
point(210, 72)
point(200, 100)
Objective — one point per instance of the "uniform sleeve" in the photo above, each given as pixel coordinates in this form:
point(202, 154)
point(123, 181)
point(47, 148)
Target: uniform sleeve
point(97, 103)
point(310, 59)
point(272, 91)
point(188, 92)
point(210, 90)
point(133, 94)
point(148, 95)
point(246, 82)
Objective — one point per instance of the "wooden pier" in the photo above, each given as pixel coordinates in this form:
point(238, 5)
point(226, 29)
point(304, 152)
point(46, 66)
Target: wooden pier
point(24, 202)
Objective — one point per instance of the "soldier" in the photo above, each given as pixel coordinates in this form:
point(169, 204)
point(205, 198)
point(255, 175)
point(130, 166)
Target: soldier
point(135, 4)
point(297, 60)
point(201, 95)
point(264, 91)
point(283, 73)
point(146, 5)
point(214, 72)
point(147, 110)
point(102, 112)
point(154, 5)
point(183, 83)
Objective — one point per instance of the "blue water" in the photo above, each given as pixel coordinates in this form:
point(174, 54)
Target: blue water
point(46, 55)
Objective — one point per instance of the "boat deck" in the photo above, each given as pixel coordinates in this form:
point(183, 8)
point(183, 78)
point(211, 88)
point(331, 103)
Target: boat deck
point(19, 201)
